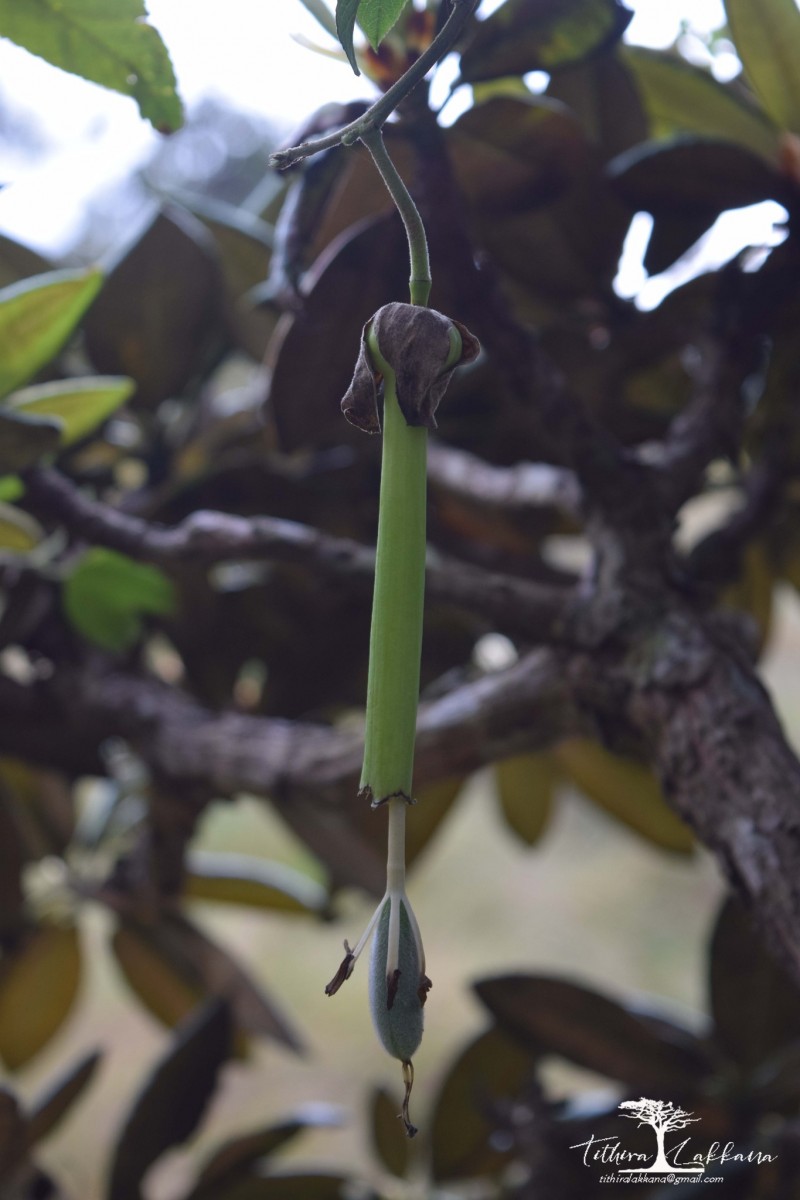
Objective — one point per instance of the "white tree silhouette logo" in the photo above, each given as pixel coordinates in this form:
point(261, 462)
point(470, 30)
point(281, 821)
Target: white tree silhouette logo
point(664, 1116)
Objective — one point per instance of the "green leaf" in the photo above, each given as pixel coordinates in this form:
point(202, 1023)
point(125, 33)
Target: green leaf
point(19, 532)
point(110, 44)
point(38, 985)
point(767, 37)
point(36, 318)
point(553, 1016)
point(240, 879)
point(106, 595)
point(79, 404)
point(377, 17)
point(489, 1070)
point(539, 35)
point(345, 24)
point(525, 788)
point(11, 486)
point(233, 1158)
point(23, 442)
point(680, 98)
point(172, 1102)
point(49, 1108)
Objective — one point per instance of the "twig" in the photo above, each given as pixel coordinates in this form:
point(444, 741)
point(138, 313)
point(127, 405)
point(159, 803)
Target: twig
point(381, 110)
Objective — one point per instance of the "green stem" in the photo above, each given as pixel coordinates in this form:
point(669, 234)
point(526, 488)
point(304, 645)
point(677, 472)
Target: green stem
point(420, 280)
point(396, 633)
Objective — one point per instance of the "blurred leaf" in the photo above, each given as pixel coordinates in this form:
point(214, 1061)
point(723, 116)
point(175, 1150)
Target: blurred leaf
point(601, 94)
point(11, 486)
point(346, 11)
point(36, 318)
point(320, 10)
point(356, 274)
point(541, 35)
point(489, 1071)
point(171, 1104)
point(159, 985)
point(18, 261)
point(159, 318)
point(553, 1016)
point(767, 38)
point(754, 1002)
point(18, 531)
point(681, 98)
point(512, 154)
point(234, 1157)
point(525, 788)
point(106, 595)
point(79, 404)
point(112, 45)
point(25, 440)
point(377, 17)
point(38, 985)
point(306, 1186)
point(13, 1144)
point(171, 963)
point(49, 1108)
point(626, 789)
point(389, 1140)
point(692, 177)
point(753, 590)
point(240, 879)
point(433, 803)
point(671, 237)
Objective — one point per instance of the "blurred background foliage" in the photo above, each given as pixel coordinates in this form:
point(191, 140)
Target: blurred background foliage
point(164, 951)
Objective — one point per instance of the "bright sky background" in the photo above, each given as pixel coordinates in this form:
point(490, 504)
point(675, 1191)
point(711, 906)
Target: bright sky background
point(241, 50)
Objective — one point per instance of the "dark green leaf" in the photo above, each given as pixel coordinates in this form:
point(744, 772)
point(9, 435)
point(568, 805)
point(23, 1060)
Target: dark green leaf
point(680, 98)
point(346, 11)
point(754, 1003)
point(490, 1070)
point(160, 316)
point(767, 37)
point(556, 1017)
point(693, 177)
point(79, 404)
point(112, 45)
point(376, 18)
point(240, 879)
point(107, 594)
point(38, 985)
point(26, 440)
point(541, 35)
point(36, 318)
point(388, 1136)
point(49, 1108)
point(234, 1158)
point(171, 1104)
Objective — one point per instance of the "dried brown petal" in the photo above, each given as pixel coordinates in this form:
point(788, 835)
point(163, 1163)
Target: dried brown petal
point(344, 972)
point(415, 342)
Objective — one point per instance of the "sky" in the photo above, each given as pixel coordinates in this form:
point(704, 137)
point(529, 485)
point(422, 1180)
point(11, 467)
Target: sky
point(248, 52)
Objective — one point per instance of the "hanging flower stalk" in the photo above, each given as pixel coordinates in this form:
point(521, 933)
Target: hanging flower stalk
point(407, 357)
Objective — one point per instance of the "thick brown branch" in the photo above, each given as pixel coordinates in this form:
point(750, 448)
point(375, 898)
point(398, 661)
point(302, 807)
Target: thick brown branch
point(522, 608)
